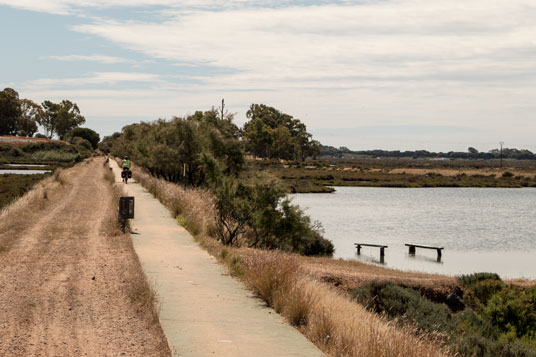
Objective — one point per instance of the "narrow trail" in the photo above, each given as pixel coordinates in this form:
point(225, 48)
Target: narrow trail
point(204, 311)
point(67, 283)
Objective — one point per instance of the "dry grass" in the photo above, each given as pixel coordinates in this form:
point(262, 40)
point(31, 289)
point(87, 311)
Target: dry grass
point(112, 225)
point(327, 317)
point(195, 207)
point(109, 175)
point(143, 296)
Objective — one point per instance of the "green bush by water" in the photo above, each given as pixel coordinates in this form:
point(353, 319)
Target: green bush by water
point(406, 305)
point(499, 320)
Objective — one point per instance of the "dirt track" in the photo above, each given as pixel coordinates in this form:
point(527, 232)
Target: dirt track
point(67, 285)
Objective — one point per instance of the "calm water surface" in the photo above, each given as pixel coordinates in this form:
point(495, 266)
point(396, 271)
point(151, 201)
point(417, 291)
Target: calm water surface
point(26, 165)
point(24, 172)
point(481, 229)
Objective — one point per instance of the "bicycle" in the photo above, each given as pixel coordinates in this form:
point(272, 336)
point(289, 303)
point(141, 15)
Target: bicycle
point(126, 174)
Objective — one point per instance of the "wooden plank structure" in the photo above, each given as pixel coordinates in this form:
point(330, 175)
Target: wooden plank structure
point(382, 248)
point(413, 246)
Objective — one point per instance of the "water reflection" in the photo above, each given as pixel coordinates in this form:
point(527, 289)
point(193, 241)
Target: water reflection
point(424, 258)
point(370, 259)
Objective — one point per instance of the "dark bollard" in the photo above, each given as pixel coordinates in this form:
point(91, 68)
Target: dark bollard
point(126, 210)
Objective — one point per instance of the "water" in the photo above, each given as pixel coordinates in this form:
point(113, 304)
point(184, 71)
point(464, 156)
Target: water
point(24, 172)
point(26, 165)
point(481, 229)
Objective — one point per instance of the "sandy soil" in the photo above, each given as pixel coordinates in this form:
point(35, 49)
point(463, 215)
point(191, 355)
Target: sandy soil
point(68, 285)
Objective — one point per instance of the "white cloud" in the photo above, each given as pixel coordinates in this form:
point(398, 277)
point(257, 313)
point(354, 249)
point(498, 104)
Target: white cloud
point(400, 40)
point(435, 62)
point(97, 78)
point(65, 7)
point(91, 58)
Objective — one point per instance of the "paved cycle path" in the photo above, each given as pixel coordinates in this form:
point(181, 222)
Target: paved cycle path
point(204, 311)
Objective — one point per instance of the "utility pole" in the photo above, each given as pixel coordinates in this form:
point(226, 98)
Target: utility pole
point(501, 143)
point(222, 108)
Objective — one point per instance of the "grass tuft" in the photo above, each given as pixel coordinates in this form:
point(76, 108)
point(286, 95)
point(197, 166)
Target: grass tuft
point(59, 176)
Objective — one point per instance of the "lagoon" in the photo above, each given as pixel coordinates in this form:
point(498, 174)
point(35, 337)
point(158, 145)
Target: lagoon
point(481, 229)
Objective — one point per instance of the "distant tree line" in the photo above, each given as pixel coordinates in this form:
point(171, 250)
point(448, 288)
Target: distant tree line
point(207, 149)
point(22, 117)
point(471, 153)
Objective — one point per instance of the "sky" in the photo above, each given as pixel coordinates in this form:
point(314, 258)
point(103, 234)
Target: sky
point(438, 75)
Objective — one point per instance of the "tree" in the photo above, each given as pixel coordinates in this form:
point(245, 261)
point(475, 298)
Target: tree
point(61, 118)
point(48, 120)
point(9, 111)
point(68, 118)
point(273, 134)
point(90, 135)
point(31, 114)
point(472, 150)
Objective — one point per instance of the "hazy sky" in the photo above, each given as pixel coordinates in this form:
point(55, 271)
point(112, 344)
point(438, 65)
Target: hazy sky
point(371, 74)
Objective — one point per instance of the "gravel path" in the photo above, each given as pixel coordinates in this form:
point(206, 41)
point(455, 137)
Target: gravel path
point(69, 288)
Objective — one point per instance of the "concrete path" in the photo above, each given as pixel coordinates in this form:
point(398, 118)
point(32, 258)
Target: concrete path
point(204, 311)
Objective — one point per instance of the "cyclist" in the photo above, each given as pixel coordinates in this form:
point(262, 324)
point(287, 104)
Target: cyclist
point(126, 163)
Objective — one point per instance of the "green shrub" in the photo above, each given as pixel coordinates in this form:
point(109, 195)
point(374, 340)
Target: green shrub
point(482, 291)
point(15, 152)
point(404, 304)
point(55, 155)
point(78, 141)
point(474, 345)
point(507, 174)
point(261, 214)
point(90, 135)
point(471, 279)
point(480, 287)
point(514, 312)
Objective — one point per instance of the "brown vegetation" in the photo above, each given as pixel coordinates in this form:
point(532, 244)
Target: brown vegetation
point(320, 176)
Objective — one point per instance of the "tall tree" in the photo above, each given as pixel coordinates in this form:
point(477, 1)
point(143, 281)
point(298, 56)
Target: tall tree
point(48, 121)
point(30, 115)
point(68, 118)
point(61, 118)
point(9, 111)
